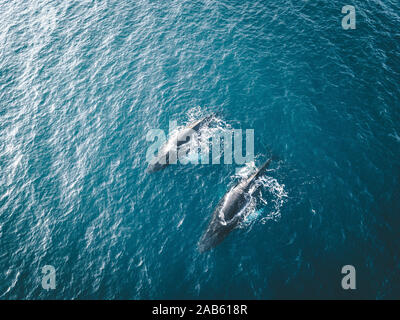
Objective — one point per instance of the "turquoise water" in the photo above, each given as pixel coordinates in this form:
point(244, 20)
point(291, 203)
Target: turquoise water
point(82, 82)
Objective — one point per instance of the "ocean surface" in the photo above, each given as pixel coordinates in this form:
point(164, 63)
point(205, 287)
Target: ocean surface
point(81, 84)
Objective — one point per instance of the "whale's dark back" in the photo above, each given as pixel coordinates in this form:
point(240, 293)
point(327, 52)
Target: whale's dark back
point(183, 138)
point(226, 215)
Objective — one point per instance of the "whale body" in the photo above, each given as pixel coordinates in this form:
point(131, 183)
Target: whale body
point(229, 212)
point(171, 147)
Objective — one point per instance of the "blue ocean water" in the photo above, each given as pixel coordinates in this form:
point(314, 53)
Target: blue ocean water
point(81, 83)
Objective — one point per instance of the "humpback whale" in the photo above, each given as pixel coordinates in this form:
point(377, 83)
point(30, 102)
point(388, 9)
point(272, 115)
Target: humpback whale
point(171, 147)
point(228, 213)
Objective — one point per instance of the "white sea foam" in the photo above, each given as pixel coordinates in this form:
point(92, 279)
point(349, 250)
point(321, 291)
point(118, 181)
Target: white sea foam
point(202, 143)
point(265, 197)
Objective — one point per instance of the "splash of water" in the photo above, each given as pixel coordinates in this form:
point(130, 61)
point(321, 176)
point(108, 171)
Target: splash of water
point(200, 144)
point(266, 192)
